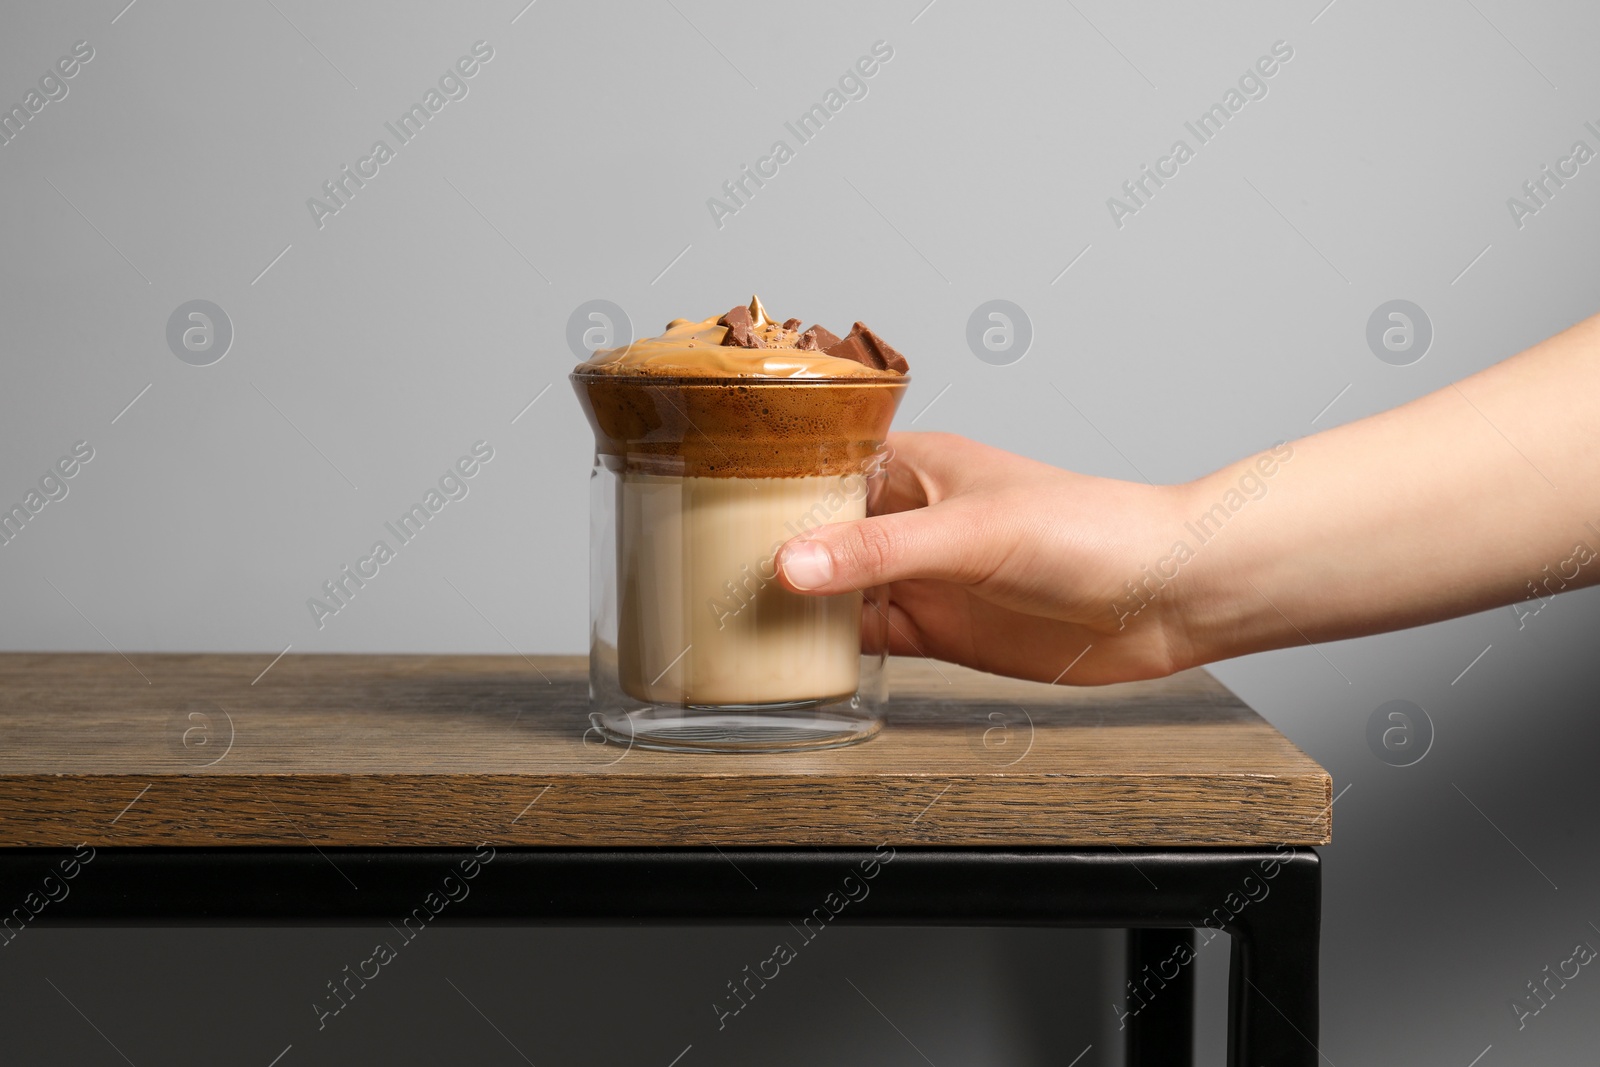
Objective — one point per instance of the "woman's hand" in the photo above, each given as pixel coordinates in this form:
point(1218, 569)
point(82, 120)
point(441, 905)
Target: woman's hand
point(1007, 565)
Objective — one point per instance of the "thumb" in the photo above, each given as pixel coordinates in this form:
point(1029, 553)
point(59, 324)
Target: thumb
point(851, 556)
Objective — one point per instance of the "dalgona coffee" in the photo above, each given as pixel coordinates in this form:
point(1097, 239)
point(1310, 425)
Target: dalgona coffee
point(729, 436)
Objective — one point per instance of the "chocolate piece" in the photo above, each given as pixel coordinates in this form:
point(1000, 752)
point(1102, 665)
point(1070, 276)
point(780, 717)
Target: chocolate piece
point(868, 349)
point(791, 324)
point(740, 334)
point(817, 339)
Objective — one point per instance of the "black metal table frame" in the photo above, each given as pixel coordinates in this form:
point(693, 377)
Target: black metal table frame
point(1267, 900)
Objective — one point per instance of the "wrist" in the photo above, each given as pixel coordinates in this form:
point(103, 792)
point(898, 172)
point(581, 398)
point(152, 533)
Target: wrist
point(1175, 593)
point(1220, 603)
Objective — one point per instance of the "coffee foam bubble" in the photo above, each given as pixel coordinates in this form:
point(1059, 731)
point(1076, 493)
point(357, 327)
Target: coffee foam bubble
point(740, 428)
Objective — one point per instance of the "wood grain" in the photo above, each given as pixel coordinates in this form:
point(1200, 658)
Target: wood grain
point(339, 750)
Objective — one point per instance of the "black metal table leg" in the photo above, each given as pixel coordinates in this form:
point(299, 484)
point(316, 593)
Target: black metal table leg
point(1158, 1000)
point(1272, 982)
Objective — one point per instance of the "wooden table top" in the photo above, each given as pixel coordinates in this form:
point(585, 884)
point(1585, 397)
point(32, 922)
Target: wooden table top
point(373, 751)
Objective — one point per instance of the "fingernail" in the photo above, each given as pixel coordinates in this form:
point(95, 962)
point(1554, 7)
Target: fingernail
point(807, 565)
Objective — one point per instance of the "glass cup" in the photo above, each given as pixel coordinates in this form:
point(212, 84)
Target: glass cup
point(694, 644)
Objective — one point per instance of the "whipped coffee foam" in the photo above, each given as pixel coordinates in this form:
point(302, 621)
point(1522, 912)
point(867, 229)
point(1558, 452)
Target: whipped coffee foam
point(758, 347)
point(743, 396)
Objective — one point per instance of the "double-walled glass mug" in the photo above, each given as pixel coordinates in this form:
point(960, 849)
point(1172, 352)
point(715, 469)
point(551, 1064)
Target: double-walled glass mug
point(694, 643)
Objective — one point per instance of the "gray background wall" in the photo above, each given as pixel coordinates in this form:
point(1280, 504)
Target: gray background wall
point(368, 354)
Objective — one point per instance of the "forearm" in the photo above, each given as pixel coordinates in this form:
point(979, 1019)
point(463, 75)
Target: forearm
point(1483, 493)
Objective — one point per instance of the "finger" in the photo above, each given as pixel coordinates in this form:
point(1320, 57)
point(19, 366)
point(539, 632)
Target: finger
point(903, 487)
point(942, 621)
point(923, 469)
point(944, 464)
point(939, 542)
point(887, 626)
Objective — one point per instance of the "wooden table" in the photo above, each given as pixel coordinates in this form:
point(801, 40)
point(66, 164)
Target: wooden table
point(208, 789)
